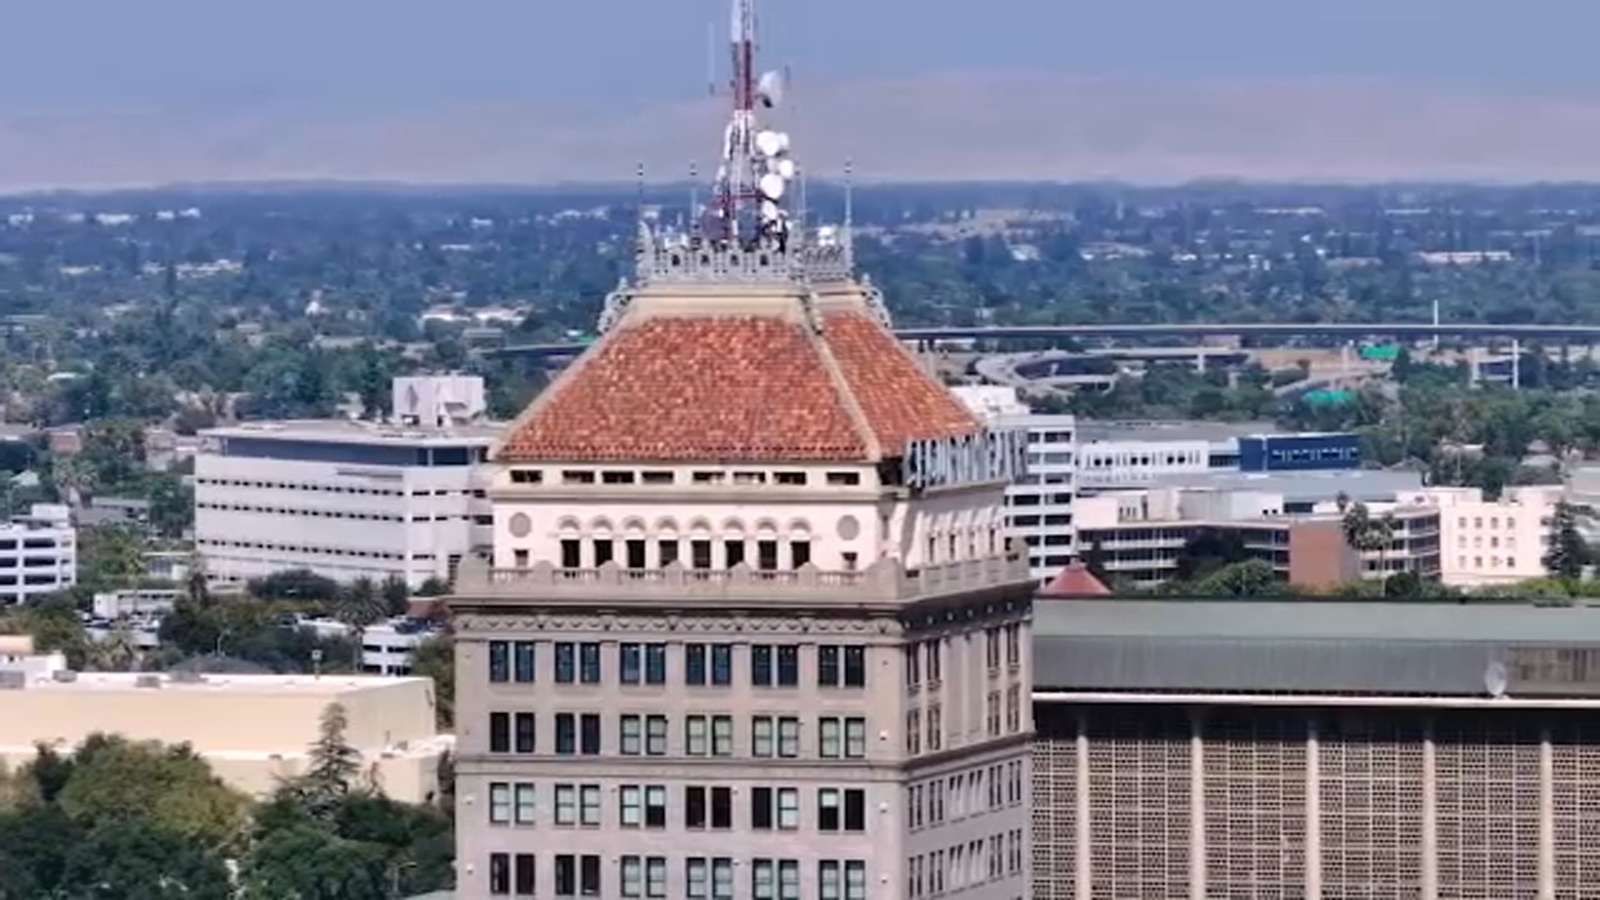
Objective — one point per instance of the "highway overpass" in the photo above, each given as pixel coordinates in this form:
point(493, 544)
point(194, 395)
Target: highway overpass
point(1409, 330)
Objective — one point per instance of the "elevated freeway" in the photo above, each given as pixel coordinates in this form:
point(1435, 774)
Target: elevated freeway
point(1408, 330)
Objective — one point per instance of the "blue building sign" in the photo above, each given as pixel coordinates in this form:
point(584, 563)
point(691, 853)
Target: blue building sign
point(1299, 452)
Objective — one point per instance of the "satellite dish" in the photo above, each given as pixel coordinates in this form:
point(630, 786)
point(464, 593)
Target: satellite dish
point(770, 89)
point(785, 169)
point(770, 211)
point(1494, 679)
point(771, 186)
point(769, 143)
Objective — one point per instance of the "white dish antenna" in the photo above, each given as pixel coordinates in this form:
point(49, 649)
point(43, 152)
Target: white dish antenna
point(770, 89)
point(769, 143)
point(771, 186)
point(770, 211)
point(1495, 679)
point(785, 169)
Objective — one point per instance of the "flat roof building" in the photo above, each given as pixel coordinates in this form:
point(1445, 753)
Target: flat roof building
point(254, 730)
point(1199, 748)
point(38, 554)
point(346, 499)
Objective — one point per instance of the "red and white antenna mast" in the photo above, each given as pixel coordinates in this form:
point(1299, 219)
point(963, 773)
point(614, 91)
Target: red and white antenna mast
point(755, 170)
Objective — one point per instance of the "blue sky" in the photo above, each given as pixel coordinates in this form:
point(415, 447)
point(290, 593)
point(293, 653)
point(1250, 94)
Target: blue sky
point(111, 53)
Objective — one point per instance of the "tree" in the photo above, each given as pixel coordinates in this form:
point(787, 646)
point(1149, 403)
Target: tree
point(1366, 534)
point(137, 859)
point(1567, 551)
point(436, 658)
point(334, 766)
point(358, 606)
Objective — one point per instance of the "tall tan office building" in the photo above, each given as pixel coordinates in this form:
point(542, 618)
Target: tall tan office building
point(751, 628)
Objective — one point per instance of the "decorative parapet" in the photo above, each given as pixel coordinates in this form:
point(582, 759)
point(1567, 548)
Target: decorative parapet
point(800, 262)
point(883, 582)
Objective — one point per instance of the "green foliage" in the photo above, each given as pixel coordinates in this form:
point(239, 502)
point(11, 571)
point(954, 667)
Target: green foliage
point(436, 658)
point(110, 557)
point(54, 626)
point(1567, 552)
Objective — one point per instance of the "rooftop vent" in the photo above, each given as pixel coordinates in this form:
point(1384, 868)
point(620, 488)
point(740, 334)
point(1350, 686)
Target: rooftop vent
point(13, 681)
point(147, 681)
point(187, 677)
point(66, 676)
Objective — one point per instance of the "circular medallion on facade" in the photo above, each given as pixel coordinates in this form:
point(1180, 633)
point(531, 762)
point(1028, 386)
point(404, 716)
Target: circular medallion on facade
point(520, 525)
point(849, 528)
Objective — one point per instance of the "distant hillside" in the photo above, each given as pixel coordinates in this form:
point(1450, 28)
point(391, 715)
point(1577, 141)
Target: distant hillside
point(971, 126)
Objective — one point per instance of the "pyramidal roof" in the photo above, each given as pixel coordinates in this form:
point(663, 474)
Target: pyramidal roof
point(743, 338)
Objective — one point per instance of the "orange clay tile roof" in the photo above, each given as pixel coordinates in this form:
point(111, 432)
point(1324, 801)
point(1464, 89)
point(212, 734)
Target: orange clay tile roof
point(1075, 581)
point(735, 388)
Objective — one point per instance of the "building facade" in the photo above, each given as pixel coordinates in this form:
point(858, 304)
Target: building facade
point(345, 499)
point(751, 627)
point(38, 554)
point(1430, 751)
point(1486, 543)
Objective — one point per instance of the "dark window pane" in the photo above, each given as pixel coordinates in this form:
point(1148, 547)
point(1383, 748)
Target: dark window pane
point(655, 664)
point(628, 667)
point(566, 662)
point(855, 667)
point(590, 663)
point(827, 666)
point(571, 554)
point(694, 663)
point(499, 661)
point(525, 732)
point(499, 732)
point(722, 664)
point(761, 665)
point(788, 665)
point(524, 661)
point(855, 810)
point(591, 734)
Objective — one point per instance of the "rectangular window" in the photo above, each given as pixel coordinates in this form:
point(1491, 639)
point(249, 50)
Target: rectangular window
point(655, 663)
point(655, 736)
point(855, 880)
point(655, 806)
point(761, 808)
point(788, 665)
point(522, 656)
point(935, 660)
point(525, 733)
point(634, 551)
point(566, 662)
point(499, 732)
point(571, 553)
point(733, 553)
point(629, 663)
point(935, 728)
point(700, 554)
point(761, 665)
point(694, 807)
point(855, 738)
point(855, 667)
point(630, 806)
point(991, 649)
point(655, 876)
point(566, 875)
point(500, 874)
point(721, 808)
point(722, 735)
point(828, 665)
point(589, 805)
point(799, 553)
point(589, 663)
point(696, 740)
point(830, 738)
point(566, 734)
point(763, 879)
point(694, 664)
point(763, 736)
point(788, 737)
point(632, 737)
point(527, 876)
point(788, 879)
point(1013, 709)
point(830, 880)
point(722, 878)
point(1013, 645)
point(913, 658)
point(589, 732)
point(696, 878)
point(589, 876)
point(527, 803)
point(566, 804)
point(722, 664)
point(499, 661)
point(604, 552)
point(668, 551)
point(499, 803)
point(767, 555)
point(788, 808)
point(632, 876)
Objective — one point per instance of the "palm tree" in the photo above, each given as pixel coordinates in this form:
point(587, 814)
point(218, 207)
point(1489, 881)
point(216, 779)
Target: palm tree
point(1366, 534)
point(359, 605)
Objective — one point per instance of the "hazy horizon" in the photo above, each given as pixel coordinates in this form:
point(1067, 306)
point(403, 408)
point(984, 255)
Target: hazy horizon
point(106, 94)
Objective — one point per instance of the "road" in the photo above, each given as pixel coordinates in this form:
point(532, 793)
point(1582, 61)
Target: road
point(1406, 330)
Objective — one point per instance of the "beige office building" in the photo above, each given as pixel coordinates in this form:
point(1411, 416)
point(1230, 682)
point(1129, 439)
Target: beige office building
point(254, 730)
point(751, 628)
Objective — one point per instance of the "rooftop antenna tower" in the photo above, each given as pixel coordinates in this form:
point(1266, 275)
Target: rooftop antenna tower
point(756, 170)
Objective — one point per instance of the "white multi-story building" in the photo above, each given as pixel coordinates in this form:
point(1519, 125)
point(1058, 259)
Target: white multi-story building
point(347, 499)
point(1491, 542)
point(38, 554)
point(1038, 505)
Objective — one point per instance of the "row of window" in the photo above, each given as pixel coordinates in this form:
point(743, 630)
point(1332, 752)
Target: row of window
point(792, 478)
point(955, 797)
point(769, 554)
point(581, 734)
point(701, 807)
point(924, 660)
point(700, 877)
point(925, 727)
point(965, 865)
point(769, 665)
